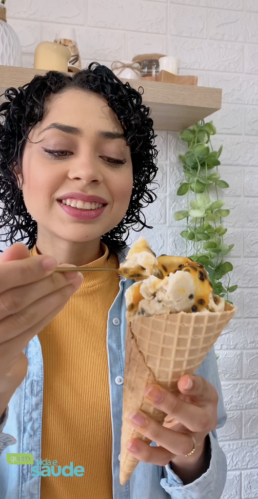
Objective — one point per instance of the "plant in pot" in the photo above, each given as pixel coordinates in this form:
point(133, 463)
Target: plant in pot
point(205, 213)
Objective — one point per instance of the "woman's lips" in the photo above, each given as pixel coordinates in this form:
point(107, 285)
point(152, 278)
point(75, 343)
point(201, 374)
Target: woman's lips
point(80, 214)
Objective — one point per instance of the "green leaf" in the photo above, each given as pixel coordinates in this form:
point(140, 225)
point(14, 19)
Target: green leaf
point(197, 213)
point(187, 235)
point(210, 128)
point(212, 160)
point(210, 229)
point(221, 231)
point(183, 189)
point(204, 200)
point(232, 288)
point(204, 180)
point(210, 245)
point(202, 236)
point(197, 187)
point(190, 160)
point(224, 249)
point(203, 259)
point(223, 213)
point(214, 176)
point(220, 151)
point(217, 204)
point(194, 205)
point(180, 215)
point(187, 135)
point(182, 159)
point(212, 217)
point(222, 270)
point(201, 151)
point(202, 136)
point(222, 184)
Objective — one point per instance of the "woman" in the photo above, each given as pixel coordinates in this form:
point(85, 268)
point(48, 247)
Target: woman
point(77, 159)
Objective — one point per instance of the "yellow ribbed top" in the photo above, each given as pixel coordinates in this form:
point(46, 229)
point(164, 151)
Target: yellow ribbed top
point(76, 403)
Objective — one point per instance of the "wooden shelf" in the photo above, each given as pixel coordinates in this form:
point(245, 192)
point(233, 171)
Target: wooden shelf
point(173, 107)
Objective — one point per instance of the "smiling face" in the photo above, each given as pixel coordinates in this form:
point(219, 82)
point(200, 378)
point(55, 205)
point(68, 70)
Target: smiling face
point(77, 148)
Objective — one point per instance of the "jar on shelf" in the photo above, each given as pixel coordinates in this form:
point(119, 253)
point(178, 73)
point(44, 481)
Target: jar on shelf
point(10, 47)
point(149, 63)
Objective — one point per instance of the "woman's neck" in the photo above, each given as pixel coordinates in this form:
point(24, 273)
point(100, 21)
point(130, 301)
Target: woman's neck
point(71, 252)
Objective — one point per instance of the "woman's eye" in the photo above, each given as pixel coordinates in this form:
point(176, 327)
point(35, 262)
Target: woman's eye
point(57, 153)
point(113, 161)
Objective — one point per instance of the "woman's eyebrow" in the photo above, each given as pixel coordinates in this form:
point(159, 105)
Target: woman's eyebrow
point(63, 128)
point(77, 131)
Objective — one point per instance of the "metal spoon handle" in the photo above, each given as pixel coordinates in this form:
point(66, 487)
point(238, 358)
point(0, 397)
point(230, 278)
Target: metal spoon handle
point(83, 269)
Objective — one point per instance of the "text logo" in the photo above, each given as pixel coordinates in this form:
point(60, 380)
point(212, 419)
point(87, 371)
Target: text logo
point(47, 468)
point(15, 458)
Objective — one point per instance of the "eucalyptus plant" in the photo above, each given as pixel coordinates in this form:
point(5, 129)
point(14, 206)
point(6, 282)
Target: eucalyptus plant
point(205, 211)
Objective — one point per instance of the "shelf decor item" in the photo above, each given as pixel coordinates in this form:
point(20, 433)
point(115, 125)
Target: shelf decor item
point(10, 47)
point(149, 63)
point(126, 69)
point(67, 38)
point(51, 56)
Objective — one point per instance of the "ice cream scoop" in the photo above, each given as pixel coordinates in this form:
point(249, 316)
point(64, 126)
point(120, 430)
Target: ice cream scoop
point(167, 284)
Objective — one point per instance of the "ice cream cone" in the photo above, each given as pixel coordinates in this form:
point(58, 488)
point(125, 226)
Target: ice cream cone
point(160, 349)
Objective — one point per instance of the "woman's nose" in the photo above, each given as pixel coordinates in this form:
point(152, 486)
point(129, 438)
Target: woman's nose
point(86, 168)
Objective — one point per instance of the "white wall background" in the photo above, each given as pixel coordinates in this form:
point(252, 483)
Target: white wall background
point(218, 41)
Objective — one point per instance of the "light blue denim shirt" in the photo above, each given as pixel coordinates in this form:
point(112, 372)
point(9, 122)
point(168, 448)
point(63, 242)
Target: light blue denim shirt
point(22, 428)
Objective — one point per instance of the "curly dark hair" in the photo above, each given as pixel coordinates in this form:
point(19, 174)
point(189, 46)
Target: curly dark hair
point(24, 108)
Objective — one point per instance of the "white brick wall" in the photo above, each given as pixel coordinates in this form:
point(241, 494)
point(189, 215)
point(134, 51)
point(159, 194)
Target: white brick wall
point(218, 41)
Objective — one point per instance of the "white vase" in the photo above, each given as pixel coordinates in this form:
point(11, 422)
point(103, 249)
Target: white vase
point(10, 47)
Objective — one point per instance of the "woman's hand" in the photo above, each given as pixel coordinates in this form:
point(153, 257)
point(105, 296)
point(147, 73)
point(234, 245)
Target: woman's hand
point(194, 412)
point(31, 295)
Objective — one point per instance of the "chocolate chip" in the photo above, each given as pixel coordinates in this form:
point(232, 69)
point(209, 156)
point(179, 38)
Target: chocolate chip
point(200, 266)
point(216, 299)
point(131, 307)
point(201, 276)
point(191, 297)
point(201, 301)
point(194, 308)
point(164, 268)
point(181, 266)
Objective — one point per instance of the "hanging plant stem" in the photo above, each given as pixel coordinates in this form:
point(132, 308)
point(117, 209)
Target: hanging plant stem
point(204, 217)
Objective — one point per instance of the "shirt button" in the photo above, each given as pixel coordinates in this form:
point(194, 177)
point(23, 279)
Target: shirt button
point(119, 380)
point(116, 321)
point(118, 457)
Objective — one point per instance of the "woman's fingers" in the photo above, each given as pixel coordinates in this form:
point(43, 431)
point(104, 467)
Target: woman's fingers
point(22, 270)
point(174, 442)
point(10, 350)
point(147, 454)
point(20, 298)
point(37, 311)
point(193, 417)
point(198, 389)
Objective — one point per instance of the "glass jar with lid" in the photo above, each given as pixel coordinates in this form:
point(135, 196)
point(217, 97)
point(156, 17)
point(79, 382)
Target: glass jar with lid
point(149, 63)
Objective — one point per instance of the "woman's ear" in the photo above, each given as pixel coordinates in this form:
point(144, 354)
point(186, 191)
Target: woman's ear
point(18, 174)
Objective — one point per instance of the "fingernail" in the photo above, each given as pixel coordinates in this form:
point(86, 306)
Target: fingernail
point(138, 419)
point(189, 384)
point(72, 276)
point(153, 394)
point(131, 446)
point(49, 263)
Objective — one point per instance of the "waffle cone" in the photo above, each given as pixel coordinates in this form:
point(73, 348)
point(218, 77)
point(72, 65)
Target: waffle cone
point(160, 349)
